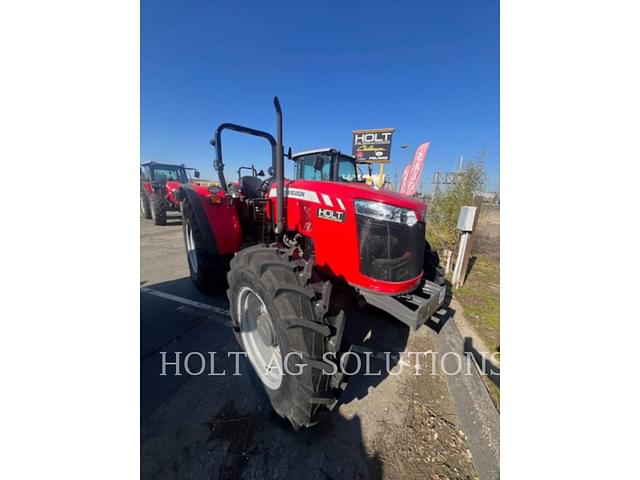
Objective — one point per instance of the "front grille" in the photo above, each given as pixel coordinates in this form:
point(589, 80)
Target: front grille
point(390, 251)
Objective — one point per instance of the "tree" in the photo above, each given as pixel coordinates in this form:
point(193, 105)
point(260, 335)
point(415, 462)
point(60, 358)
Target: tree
point(442, 216)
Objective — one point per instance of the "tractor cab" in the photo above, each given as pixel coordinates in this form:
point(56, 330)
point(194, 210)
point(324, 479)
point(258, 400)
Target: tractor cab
point(326, 164)
point(192, 177)
point(162, 173)
point(365, 169)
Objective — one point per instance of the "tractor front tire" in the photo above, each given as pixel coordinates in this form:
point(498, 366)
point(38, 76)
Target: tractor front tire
point(207, 270)
point(145, 206)
point(282, 319)
point(158, 209)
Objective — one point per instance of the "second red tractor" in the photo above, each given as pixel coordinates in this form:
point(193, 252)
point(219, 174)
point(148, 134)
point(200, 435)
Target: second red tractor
point(159, 183)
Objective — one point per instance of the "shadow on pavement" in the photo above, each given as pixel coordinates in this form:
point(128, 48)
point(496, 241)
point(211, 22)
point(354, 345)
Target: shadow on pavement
point(222, 426)
point(485, 365)
point(173, 219)
point(262, 445)
point(370, 329)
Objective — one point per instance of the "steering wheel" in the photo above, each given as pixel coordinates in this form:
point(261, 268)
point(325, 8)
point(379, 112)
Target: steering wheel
point(264, 187)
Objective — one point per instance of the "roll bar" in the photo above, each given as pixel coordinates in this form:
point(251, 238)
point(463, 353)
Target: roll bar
point(277, 158)
point(218, 164)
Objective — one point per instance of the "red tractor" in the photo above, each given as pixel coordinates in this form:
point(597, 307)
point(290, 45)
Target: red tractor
point(296, 254)
point(158, 185)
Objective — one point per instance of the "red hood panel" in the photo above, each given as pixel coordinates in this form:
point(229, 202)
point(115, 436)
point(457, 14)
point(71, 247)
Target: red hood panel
point(173, 185)
point(351, 191)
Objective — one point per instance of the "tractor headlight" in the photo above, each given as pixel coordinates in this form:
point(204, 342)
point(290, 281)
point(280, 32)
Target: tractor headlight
point(382, 211)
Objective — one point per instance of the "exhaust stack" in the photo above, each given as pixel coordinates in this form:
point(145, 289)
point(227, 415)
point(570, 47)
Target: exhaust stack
point(279, 170)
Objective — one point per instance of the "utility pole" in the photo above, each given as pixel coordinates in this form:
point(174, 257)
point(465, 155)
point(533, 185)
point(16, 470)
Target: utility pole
point(436, 175)
point(403, 147)
point(395, 180)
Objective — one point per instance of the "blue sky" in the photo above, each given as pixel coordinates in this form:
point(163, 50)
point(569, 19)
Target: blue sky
point(430, 69)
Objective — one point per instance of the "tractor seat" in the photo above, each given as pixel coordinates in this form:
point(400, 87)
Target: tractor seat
point(250, 186)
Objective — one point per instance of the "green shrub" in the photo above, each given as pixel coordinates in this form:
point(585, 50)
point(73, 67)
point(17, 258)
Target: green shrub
point(442, 215)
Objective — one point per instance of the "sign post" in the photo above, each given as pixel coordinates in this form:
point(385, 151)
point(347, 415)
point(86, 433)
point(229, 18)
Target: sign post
point(471, 240)
point(467, 224)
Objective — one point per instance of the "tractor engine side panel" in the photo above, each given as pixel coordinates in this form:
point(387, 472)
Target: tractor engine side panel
point(335, 245)
point(217, 218)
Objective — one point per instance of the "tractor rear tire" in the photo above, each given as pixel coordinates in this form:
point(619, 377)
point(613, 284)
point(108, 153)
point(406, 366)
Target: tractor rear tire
point(300, 329)
point(431, 268)
point(207, 270)
point(158, 209)
point(145, 206)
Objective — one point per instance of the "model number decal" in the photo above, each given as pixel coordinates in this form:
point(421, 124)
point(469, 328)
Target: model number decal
point(331, 215)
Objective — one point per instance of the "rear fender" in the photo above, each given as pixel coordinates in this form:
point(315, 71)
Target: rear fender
point(218, 221)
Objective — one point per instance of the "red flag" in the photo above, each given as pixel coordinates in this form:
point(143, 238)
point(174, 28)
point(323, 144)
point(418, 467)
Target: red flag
point(405, 176)
point(415, 173)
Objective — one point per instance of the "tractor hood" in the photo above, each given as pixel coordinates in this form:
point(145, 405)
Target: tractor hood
point(172, 187)
point(342, 195)
point(378, 256)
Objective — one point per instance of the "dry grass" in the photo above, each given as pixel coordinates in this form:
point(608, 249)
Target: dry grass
point(480, 298)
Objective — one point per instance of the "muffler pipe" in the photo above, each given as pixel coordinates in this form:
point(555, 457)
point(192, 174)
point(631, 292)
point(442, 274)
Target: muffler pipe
point(279, 171)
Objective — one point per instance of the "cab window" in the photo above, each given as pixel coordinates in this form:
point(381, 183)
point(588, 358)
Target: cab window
point(169, 174)
point(346, 170)
point(315, 167)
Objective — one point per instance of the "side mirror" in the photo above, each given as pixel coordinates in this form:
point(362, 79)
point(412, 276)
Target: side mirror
point(261, 173)
point(212, 142)
point(289, 154)
point(271, 172)
point(317, 163)
point(196, 174)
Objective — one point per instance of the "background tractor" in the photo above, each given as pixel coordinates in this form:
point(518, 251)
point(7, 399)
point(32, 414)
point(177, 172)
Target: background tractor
point(344, 172)
point(297, 254)
point(159, 183)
